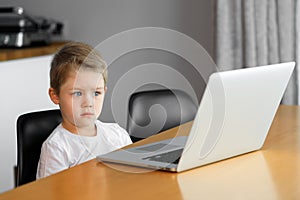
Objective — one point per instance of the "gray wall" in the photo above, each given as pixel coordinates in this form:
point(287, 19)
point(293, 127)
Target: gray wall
point(93, 21)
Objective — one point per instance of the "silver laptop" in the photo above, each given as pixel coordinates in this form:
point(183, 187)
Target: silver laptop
point(233, 118)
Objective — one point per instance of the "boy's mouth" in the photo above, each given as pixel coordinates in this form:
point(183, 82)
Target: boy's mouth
point(87, 114)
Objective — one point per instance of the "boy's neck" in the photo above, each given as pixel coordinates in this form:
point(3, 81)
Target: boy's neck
point(85, 131)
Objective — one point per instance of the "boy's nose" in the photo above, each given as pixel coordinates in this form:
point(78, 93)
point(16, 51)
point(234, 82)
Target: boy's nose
point(88, 101)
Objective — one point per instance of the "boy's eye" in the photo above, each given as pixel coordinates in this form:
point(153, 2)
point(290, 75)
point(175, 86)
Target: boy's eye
point(97, 93)
point(77, 94)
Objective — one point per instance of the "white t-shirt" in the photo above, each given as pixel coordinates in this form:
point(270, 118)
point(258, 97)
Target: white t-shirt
point(63, 149)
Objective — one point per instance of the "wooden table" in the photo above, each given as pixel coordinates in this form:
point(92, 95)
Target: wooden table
point(270, 173)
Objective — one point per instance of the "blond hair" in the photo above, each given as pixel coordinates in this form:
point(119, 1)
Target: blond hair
point(72, 57)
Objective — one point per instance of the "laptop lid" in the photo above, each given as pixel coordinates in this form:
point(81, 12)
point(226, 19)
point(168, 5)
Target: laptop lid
point(233, 118)
point(235, 113)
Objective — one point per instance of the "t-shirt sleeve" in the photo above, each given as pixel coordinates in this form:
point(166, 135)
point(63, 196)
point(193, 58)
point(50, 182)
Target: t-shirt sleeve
point(124, 136)
point(52, 160)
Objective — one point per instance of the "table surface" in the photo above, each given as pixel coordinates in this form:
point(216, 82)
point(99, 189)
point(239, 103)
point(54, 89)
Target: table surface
point(270, 173)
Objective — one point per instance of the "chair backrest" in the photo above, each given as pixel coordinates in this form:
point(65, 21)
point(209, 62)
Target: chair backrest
point(32, 130)
point(151, 112)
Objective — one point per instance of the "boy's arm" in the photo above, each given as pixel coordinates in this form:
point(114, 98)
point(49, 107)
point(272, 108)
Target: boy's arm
point(52, 160)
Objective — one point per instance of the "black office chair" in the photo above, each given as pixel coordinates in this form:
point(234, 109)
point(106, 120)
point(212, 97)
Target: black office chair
point(32, 130)
point(151, 112)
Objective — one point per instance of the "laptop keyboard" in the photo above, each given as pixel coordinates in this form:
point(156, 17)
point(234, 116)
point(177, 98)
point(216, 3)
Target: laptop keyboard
point(157, 147)
point(169, 157)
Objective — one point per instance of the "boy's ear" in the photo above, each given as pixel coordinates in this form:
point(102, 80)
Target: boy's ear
point(53, 96)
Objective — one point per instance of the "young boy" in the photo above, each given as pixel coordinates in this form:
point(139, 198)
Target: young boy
point(78, 84)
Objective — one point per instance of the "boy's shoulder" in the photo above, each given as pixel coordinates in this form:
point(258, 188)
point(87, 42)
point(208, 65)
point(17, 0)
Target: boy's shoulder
point(113, 133)
point(110, 129)
point(109, 125)
point(58, 135)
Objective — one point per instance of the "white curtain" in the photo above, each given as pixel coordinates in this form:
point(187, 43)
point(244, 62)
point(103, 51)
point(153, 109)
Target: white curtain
point(258, 32)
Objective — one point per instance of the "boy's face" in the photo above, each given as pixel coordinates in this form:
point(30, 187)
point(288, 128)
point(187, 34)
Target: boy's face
point(80, 99)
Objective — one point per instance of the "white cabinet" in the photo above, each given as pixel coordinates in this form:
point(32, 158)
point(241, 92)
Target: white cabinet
point(24, 87)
